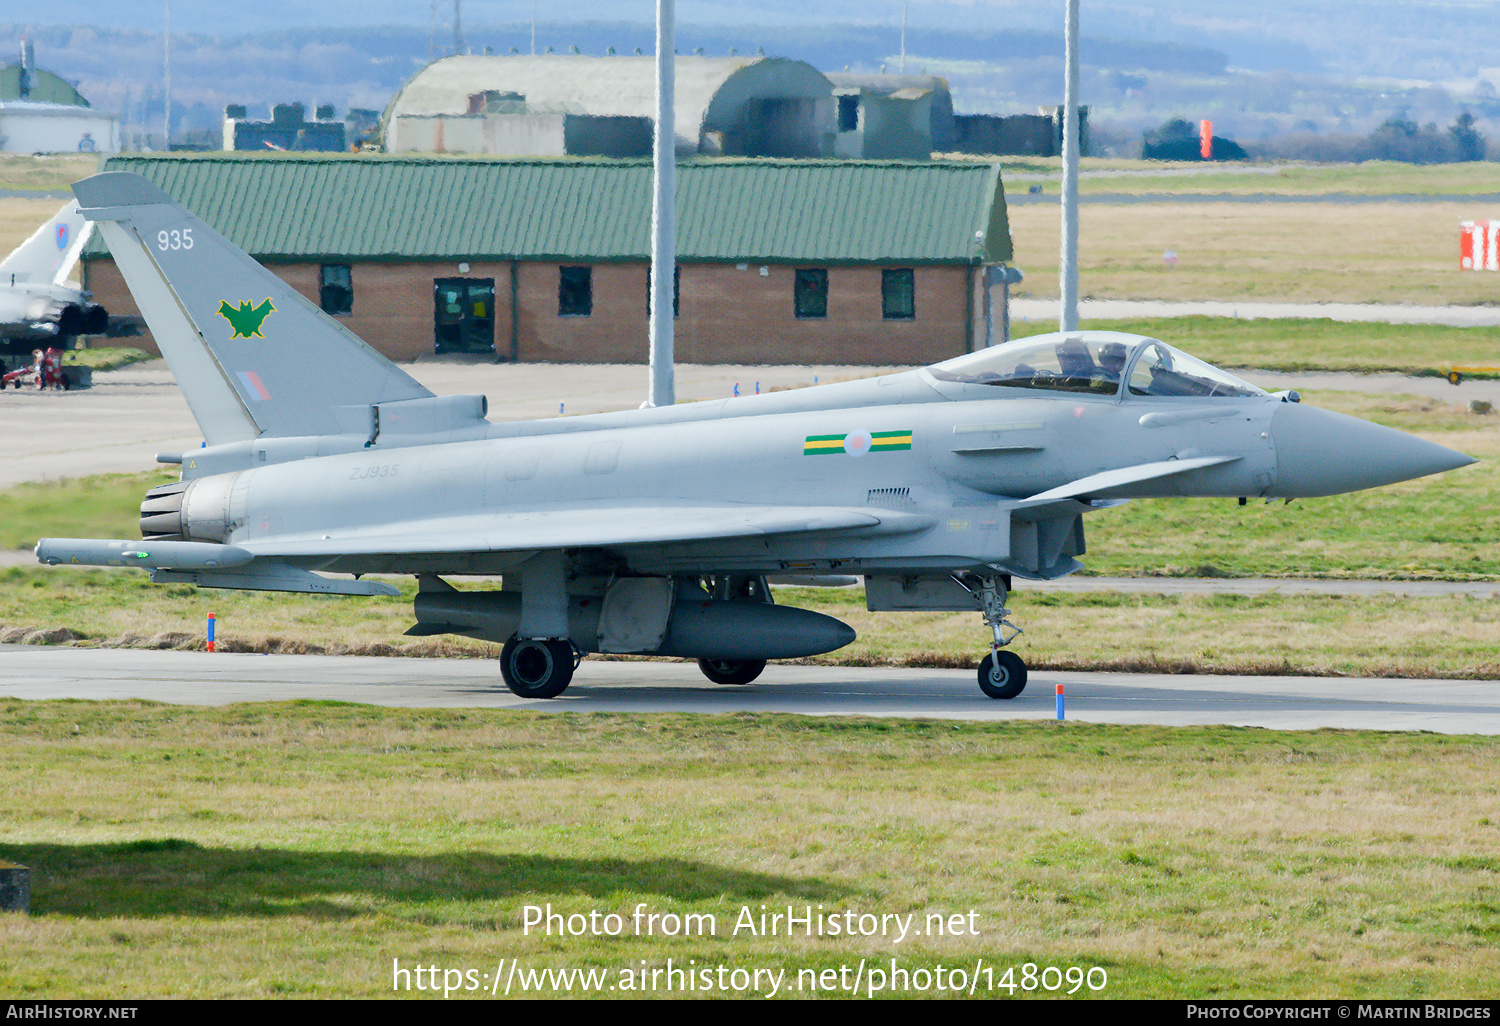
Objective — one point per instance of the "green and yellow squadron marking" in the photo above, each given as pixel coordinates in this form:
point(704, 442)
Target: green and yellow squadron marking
point(246, 319)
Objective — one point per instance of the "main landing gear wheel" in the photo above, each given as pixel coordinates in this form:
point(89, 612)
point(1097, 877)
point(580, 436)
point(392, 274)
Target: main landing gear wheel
point(537, 667)
point(1002, 675)
point(731, 671)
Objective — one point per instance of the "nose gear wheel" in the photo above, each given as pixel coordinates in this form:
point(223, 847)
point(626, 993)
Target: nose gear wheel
point(1002, 674)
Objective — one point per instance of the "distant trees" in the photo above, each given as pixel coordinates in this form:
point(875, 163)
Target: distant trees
point(1465, 139)
point(1178, 140)
point(1397, 138)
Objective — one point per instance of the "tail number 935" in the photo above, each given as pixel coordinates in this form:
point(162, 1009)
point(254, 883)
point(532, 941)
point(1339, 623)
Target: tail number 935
point(176, 238)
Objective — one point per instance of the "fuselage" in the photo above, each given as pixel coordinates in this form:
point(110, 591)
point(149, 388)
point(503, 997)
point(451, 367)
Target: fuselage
point(962, 453)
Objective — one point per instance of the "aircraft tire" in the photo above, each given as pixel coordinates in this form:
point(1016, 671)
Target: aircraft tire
point(731, 671)
point(537, 667)
point(1005, 679)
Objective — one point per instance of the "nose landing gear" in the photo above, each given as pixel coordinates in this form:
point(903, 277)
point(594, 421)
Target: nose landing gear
point(1002, 674)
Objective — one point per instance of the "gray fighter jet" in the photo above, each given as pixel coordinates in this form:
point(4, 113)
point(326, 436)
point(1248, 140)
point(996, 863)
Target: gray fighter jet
point(36, 302)
point(656, 531)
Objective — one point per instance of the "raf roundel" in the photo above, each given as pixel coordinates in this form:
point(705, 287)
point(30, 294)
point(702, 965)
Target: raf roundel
point(857, 443)
point(62, 236)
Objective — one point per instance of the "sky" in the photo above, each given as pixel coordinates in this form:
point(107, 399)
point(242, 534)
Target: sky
point(1252, 35)
point(209, 17)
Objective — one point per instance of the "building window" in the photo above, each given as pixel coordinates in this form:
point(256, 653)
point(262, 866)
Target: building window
point(848, 113)
point(336, 289)
point(898, 294)
point(810, 293)
point(575, 291)
point(676, 289)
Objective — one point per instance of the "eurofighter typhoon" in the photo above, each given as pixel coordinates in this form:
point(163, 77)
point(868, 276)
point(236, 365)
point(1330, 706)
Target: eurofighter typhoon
point(36, 302)
point(655, 531)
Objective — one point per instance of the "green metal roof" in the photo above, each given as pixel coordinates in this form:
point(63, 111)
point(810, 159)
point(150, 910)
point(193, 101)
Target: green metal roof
point(362, 207)
point(45, 87)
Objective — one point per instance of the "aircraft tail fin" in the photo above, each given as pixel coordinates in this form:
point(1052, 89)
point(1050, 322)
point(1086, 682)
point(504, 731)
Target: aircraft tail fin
point(252, 355)
point(49, 255)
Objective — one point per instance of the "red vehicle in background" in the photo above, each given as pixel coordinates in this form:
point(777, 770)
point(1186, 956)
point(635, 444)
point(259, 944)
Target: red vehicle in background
point(45, 371)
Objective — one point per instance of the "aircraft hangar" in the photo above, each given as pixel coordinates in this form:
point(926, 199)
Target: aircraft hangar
point(554, 105)
point(548, 260)
point(42, 113)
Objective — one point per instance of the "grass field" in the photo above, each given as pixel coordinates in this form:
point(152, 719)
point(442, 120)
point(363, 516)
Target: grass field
point(1318, 252)
point(1372, 178)
point(1312, 344)
point(51, 173)
point(103, 506)
point(105, 357)
point(297, 850)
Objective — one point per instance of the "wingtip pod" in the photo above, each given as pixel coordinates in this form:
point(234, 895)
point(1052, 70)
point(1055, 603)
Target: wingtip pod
point(204, 564)
point(143, 555)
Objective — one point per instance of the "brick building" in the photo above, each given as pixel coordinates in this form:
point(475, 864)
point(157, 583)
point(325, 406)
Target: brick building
point(778, 261)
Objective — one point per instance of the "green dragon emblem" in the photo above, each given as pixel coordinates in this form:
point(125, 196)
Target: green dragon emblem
point(246, 319)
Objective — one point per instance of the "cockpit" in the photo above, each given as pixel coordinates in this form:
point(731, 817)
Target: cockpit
point(1099, 362)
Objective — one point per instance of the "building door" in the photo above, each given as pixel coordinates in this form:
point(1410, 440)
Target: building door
point(464, 315)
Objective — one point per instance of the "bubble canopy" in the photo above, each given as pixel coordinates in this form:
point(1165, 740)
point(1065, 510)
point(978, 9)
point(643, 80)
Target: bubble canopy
point(1102, 363)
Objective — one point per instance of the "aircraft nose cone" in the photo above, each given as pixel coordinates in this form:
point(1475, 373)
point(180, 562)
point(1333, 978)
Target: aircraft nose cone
point(1319, 452)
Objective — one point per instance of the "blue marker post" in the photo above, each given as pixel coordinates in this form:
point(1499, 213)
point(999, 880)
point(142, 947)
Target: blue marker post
point(736, 389)
point(757, 388)
point(210, 632)
point(1059, 701)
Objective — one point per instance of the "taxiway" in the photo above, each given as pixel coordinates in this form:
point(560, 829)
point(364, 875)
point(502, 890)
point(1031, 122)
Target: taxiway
point(1286, 703)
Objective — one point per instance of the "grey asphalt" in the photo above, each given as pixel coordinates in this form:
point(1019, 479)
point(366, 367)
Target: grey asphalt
point(1289, 703)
